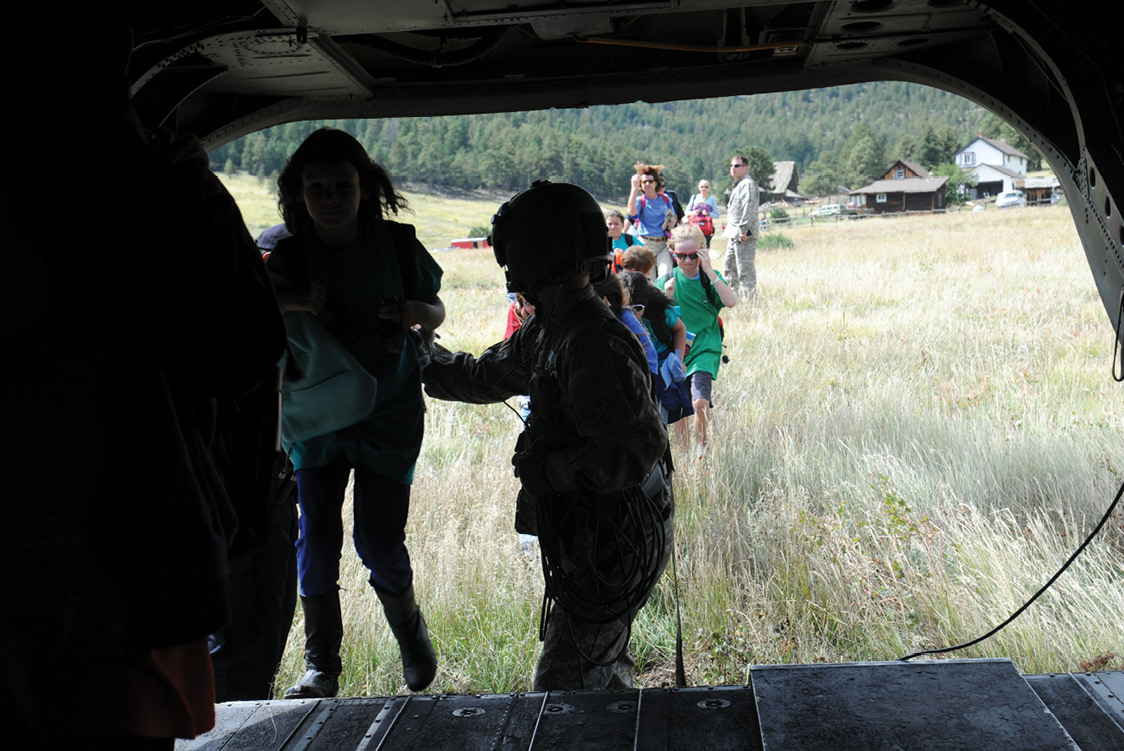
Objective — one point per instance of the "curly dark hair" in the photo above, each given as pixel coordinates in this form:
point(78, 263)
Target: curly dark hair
point(654, 170)
point(655, 302)
point(332, 145)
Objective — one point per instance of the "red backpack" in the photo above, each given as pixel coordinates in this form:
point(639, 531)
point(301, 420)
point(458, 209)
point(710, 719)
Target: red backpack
point(703, 220)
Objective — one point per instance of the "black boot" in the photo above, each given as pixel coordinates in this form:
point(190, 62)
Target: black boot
point(419, 661)
point(323, 634)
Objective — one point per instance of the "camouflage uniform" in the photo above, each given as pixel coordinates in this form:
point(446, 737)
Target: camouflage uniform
point(595, 435)
point(741, 218)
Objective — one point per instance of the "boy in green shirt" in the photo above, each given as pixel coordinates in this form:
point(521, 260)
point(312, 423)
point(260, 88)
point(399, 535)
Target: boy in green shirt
point(700, 292)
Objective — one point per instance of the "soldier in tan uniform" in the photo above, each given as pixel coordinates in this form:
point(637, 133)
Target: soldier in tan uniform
point(741, 231)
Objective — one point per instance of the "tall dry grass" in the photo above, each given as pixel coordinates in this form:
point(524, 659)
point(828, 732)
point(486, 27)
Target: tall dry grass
point(917, 425)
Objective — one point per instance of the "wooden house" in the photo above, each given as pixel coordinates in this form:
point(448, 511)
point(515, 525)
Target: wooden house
point(785, 186)
point(906, 186)
point(1039, 190)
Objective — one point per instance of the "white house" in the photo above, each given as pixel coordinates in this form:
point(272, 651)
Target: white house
point(997, 165)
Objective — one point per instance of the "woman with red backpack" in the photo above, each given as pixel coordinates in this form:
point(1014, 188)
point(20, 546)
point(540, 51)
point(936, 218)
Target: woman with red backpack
point(702, 211)
point(652, 212)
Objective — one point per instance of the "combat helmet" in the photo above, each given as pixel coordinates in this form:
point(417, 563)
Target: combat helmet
point(546, 234)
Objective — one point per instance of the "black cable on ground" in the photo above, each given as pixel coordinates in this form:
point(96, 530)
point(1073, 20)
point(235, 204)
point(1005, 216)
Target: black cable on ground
point(1027, 604)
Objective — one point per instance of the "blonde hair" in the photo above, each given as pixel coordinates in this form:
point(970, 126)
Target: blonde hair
point(686, 232)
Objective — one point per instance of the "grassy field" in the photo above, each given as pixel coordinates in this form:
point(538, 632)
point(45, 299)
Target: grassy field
point(916, 426)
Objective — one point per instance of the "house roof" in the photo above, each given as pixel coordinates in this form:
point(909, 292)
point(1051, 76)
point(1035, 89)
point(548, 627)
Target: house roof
point(909, 185)
point(998, 168)
point(783, 173)
point(914, 167)
point(1002, 146)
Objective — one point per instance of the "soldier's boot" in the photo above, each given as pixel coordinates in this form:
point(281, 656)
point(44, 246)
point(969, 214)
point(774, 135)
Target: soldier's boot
point(419, 661)
point(323, 635)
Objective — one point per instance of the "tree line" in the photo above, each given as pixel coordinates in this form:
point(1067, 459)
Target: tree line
point(839, 137)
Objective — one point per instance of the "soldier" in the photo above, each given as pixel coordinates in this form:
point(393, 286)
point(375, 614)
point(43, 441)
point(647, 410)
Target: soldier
point(741, 231)
point(593, 461)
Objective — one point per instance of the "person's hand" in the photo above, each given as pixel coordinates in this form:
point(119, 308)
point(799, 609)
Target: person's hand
point(424, 345)
point(669, 288)
point(311, 300)
point(704, 262)
point(402, 312)
point(636, 180)
point(406, 314)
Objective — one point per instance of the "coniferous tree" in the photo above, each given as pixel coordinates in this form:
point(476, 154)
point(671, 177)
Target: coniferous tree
point(864, 157)
point(833, 135)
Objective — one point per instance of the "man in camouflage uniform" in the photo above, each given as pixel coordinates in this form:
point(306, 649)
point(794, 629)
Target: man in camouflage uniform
point(593, 459)
point(741, 231)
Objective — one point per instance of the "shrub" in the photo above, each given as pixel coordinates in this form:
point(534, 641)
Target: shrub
point(775, 240)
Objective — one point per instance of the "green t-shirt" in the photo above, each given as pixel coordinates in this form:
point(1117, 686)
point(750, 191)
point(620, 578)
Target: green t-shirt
point(700, 316)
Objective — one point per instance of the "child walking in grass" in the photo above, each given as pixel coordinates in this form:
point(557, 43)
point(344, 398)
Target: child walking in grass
point(660, 317)
point(368, 281)
point(700, 292)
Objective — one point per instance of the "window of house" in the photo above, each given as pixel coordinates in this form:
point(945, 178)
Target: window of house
point(899, 174)
point(880, 198)
point(968, 157)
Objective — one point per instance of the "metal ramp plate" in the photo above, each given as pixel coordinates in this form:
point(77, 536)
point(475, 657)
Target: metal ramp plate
point(914, 706)
point(920, 706)
point(1108, 690)
point(715, 719)
point(1074, 701)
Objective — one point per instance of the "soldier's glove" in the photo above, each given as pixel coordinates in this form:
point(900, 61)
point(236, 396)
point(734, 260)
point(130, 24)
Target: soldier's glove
point(424, 344)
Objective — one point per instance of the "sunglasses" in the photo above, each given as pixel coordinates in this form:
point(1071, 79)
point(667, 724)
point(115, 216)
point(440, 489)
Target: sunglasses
point(732, 166)
point(688, 256)
point(648, 181)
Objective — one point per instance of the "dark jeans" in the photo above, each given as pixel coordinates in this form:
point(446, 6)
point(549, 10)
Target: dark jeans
point(263, 595)
point(381, 507)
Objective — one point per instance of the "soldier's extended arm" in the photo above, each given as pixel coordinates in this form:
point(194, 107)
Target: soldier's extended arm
point(500, 372)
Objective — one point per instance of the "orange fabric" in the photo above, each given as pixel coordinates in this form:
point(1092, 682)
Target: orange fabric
point(172, 695)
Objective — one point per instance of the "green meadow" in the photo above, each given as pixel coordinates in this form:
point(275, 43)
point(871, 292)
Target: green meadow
point(917, 425)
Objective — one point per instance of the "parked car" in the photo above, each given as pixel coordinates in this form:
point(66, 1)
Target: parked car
point(831, 209)
point(1010, 198)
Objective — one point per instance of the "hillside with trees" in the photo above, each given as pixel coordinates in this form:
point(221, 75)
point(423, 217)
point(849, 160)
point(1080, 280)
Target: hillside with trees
point(842, 136)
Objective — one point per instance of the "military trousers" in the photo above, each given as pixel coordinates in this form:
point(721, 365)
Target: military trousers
point(739, 267)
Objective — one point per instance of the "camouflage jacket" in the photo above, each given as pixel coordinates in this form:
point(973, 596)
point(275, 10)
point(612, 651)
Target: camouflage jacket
point(595, 426)
point(741, 211)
